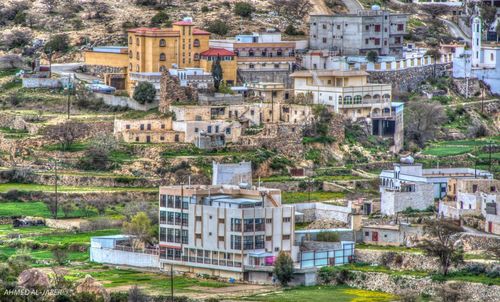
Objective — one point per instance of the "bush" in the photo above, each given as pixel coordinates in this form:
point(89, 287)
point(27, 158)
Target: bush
point(243, 9)
point(16, 37)
point(328, 237)
point(58, 43)
point(372, 56)
point(292, 31)
point(144, 93)
point(204, 9)
point(340, 276)
point(218, 27)
point(161, 19)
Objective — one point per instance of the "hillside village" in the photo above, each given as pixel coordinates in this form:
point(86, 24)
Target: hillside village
point(263, 150)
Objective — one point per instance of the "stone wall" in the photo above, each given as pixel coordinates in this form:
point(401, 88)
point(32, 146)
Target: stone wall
point(460, 86)
point(18, 122)
point(317, 210)
point(404, 285)
point(95, 181)
point(479, 242)
point(408, 79)
point(397, 261)
point(274, 76)
point(102, 69)
point(41, 83)
point(122, 101)
point(171, 91)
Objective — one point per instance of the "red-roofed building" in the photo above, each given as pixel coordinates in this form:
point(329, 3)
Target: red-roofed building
point(227, 59)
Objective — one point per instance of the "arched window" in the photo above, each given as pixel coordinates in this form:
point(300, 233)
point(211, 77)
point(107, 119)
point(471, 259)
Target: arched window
point(163, 57)
point(196, 57)
point(130, 54)
point(357, 99)
point(376, 97)
point(196, 43)
point(386, 97)
point(163, 43)
point(137, 55)
point(137, 68)
point(137, 41)
point(162, 68)
point(130, 66)
point(348, 100)
point(387, 110)
point(367, 97)
point(130, 40)
point(251, 53)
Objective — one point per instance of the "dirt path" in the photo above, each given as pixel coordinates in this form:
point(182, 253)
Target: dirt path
point(319, 8)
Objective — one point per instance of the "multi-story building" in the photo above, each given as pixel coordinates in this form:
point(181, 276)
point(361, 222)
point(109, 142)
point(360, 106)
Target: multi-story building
point(357, 34)
point(227, 61)
point(350, 94)
point(152, 130)
point(223, 230)
point(262, 56)
point(149, 50)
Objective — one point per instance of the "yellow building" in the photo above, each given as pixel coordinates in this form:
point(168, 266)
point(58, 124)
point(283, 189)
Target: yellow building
point(227, 61)
point(149, 50)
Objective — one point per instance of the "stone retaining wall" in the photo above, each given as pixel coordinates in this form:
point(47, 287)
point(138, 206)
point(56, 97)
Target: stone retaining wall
point(404, 285)
point(398, 261)
point(122, 101)
point(408, 79)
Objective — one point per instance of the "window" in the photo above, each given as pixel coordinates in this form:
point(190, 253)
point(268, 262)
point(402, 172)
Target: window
point(377, 41)
point(148, 126)
point(228, 130)
point(248, 242)
point(493, 189)
point(324, 40)
point(163, 57)
point(198, 218)
point(286, 237)
point(196, 43)
point(209, 129)
point(324, 26)
point(162, 68)
point(286, 219)
point(137, 41)
point(397, 40)
point(367, 27)
point(162, 138)
point(142, 127)
point(220, 238)
point(276, 66)
point(163, 43)
point(137, 55)
point(377, 28)
point(221, 220)
point(251, 53)
point(196, 57)
point(130, 55)
point(269, 220)
point(235, 242)
point(251, 66)
point(198, 236)
point(269, 238)
point(137, 68)
point(367, 233)
point(130, 40)
point(127, 126)
point(136, 138)
point(366, 41)
point(474, 188)
point(401, 27)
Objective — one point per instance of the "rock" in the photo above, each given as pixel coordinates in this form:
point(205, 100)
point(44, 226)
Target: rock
point(90, 285)
point(33, 278)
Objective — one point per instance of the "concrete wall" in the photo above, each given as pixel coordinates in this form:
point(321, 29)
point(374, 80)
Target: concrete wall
point(110, 256)
point(121, 101)
point(393, 201)
point(41, 83)
point(282, 76)
point(317, 210)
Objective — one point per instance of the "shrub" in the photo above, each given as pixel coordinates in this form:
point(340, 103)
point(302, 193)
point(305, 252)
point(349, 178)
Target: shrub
point(144, 93)
point(292, 31)
point(16, 37)
point(58, 43)
point(243, 9)
point(372, 56)
point(218, 27)
point(161, 18)
point(328, 237)
point(204, 9)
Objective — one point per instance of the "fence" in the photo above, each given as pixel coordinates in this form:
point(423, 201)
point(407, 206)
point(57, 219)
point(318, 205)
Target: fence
point(328, 257)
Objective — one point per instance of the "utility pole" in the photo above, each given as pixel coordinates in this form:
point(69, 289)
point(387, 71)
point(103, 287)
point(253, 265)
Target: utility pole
point(55, 188)
point(172, 281)
point(482, 93)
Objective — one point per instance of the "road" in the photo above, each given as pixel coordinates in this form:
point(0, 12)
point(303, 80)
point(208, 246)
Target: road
point(455, 31)
point(70, 68)
point(353, 6)
point(319, 7)
point(472, 103)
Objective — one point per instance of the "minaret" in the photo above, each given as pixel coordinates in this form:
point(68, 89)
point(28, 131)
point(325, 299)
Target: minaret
point(476, 41)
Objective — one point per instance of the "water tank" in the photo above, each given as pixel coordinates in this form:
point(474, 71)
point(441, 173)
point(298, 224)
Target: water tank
point(375, 7)
point(407, 160)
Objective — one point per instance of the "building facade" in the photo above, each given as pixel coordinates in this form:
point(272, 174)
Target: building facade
point(222, 230)
point(227, 60)
point(357, 34)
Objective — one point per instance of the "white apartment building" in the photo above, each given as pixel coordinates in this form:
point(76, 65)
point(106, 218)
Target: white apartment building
point(224, 230)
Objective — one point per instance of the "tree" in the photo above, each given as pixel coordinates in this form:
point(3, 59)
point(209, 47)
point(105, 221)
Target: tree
point(218, 27)
point(67, 207)
point(292, 31)
point(144, 93)
point(52, 206)
point(283, 268)
point(292, 10)
point(134, 207)
point(372, 56)
point(57, 43)
point(140, 226)
point(217, 73)
point(66, 133)
point(422, 120)
point(161, 18)
point(442, 243)
point(97, 157)
point(136, 295)
point(243, 9)
point(60, 254)
point(328, 237)
point(435, 10)
point(50, 5)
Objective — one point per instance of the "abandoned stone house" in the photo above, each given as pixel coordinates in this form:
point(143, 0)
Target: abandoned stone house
point(476, 197)
point(392, 234)
point(153, 130)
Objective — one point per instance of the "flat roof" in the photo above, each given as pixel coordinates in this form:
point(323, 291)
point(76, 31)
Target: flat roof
point(233, 200)
point(328, 73)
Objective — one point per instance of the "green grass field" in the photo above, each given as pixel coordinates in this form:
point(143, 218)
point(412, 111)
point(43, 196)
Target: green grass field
point(6, 252)
point(69, 238)
point(6, 229)
point(297, 197)
point(150, 282)
point(323, 293)
point(63, 189)
point(39, 209)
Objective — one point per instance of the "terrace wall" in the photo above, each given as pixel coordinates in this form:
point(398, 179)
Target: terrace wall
point(119, 257)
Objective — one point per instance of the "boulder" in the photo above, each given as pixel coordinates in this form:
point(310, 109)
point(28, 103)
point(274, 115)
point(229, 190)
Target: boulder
point(90, 285)
point(33, 278)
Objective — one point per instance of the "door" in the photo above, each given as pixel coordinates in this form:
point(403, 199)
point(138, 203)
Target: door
point(490, 227)
point(148, 139)
point(374, 236)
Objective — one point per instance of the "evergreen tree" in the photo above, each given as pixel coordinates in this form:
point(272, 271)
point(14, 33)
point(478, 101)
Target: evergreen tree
point(217, 73)
point(283, 268)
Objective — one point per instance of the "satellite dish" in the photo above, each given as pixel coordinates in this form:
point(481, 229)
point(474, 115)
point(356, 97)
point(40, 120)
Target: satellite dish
point(375, 7)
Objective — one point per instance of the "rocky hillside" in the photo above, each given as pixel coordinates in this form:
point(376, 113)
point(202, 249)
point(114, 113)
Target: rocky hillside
point(100, 22)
